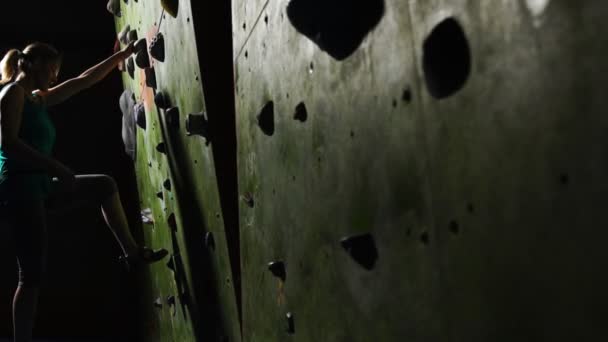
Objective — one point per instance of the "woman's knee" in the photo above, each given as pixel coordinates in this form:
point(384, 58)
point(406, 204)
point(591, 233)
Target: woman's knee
point(105, 186)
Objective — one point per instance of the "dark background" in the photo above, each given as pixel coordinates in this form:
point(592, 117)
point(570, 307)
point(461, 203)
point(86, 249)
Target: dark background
point(87, 293)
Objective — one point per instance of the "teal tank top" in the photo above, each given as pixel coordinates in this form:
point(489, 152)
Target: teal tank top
point(21, 181)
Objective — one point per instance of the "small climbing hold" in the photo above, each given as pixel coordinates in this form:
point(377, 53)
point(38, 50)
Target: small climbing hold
point(113, 7)
point(132, 36)
point(277, 268)
point(142, 59)
point(158, 303)
point(140, 115)
point(266, 118)
point(291, 326)
point(171, 264)
point(167, 184)
point(160, 195)
point(454, 227)
point(172, 222)
point(301, 113)
point(150, 77)
point(131, 67)
point(157, 47)
point(146, 216)
point(139, 45)
point(123, 36)
point(171, 6)
point(161, 100)
point(171, 303)
point(162, 148)
point(172, 117)
point(196, 124)
point(362, 248)
point(210, 240)
point(248, 199)
point(425, 238)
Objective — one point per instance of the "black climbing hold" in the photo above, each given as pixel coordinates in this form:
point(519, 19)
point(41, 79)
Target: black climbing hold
point(158, 303)
point(171, 300)
point(470, 208)
point(140, 115)
point(266, 119)
point(171, 6)
point(301, 113)
point(197, 124)
point(161, 100)
point(123, 36)
point(172, 117)
point(142, 59)
point(150, 77)
point(113, 7)
point(167, 184)
point(172, 222)
point(446, 59)
point(132, 36)
point(454, 227)
point(425, 238)
point(362, 248)
point(277, 268)
point(291, 325)
point(139, 45)
point(406, 96)
point(248, 199)
point(338, 27)
point(210, 240)
point(131, 67)
point(160, 195)
point(162, 148)
point(171, 264)
point(157, 47)
point(564, 179)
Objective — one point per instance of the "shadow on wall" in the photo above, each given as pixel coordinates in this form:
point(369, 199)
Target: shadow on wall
point(338, 27)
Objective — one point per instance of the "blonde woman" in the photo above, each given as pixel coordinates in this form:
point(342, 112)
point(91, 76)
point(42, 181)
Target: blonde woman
point(30, 178)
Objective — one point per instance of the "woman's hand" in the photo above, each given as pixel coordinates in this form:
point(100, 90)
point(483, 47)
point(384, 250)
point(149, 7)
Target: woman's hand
point(66, 177)
point(128, 50)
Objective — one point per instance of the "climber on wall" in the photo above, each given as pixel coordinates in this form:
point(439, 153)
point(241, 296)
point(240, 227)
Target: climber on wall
point(27, 185)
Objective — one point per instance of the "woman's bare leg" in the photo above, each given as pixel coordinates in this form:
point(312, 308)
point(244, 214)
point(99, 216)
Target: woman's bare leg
point(115, 217)
point(24, 312)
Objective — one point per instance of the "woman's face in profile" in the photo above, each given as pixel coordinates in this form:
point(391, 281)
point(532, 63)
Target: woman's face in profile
point(47, 74)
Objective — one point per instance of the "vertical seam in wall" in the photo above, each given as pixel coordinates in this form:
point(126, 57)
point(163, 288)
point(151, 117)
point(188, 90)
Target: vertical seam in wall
point(255, 24)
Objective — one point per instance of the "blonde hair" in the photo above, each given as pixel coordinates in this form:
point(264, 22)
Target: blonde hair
point(16, 61)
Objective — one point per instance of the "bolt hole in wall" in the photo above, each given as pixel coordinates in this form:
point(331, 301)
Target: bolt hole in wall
point(447, 59)
point(338, 27)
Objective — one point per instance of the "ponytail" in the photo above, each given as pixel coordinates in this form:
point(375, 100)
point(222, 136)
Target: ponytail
point(9, 65)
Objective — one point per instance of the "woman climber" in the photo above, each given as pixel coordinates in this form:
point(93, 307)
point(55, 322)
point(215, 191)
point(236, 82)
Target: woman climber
point(27, 185)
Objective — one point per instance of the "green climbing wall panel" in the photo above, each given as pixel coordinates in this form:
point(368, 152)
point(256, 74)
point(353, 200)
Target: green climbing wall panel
point(185, 176)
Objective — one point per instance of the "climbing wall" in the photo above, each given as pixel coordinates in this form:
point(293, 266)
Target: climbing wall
point(421, 170)
point(189, 296)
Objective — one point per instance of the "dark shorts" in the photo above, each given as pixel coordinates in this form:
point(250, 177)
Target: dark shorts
point(27, 221)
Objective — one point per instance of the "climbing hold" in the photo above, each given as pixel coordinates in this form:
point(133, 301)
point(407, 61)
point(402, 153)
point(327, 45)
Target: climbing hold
point(425, 238)
point(160, 195)
point(167, 184)
point(172, 222)
point(162, 148)
point(291, 326)
point(139, 45)
point(142, 59)
point(196, 124)
point(150, 77)
point(123, 36)
point(266, 119)
point(132, 36)
point(131, 67)
point(171, 6)
point(158, 303)
point(362, 248)
point(140, 115)
point(129, 129)
point(172, 117)
point(210, 240)
point(171, 303)
point(454, 227)
point(171, 264)
point(248, 199)
point(113, 7)
point(301, 113)
point(157, 47)
point(161, 100)
point(146, 216)
point(277, 268)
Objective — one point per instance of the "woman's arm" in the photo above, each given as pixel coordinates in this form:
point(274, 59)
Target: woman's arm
point(11, 107)
point(87, 79)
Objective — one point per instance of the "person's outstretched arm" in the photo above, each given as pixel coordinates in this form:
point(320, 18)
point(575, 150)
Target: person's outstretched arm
point(87, 79)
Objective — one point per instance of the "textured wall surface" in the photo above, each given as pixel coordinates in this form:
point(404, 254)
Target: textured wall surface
point(407, 170)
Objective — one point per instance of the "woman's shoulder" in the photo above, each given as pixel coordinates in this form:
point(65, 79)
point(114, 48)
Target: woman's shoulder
point(12, 90)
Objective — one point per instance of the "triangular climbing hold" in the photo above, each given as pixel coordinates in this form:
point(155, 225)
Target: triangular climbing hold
point(171, 6)
point(157, 47)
